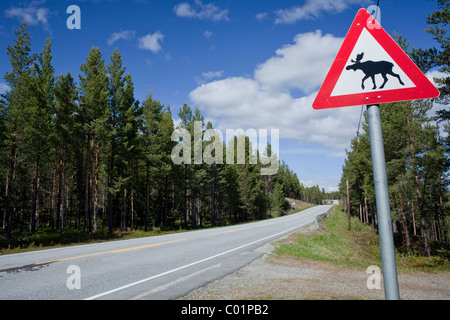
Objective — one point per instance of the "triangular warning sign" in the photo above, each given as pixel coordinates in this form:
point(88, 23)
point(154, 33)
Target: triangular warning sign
point(370, 68)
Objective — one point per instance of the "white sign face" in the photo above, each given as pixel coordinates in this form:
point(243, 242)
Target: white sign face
point(369, 60)
point(371, 68)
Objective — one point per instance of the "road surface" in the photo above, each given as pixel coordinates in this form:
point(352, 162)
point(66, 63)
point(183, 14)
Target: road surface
point(161, 267)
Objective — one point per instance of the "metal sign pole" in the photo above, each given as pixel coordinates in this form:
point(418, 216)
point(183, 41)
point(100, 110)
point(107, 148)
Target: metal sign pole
point(383, 207)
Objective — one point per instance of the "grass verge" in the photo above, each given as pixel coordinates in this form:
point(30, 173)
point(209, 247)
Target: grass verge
point(45, 239)
point(357, 247)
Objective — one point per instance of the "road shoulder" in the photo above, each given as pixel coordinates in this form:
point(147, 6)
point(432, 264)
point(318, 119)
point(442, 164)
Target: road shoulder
point(274, 277)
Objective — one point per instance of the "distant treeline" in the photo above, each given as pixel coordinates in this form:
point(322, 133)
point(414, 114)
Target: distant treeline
point(86, 155)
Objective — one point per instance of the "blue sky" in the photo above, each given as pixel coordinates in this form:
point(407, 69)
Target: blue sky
point(245, 64)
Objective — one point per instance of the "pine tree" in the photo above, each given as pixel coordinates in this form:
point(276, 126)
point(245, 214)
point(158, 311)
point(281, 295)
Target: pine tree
point(17, 99)
point(66, 96)
point(166, 166)
point(122, 131)
point(187, 123)
point(278, 200)
point(427, 59)
point(94, 109)
point(152, 116)
point(39, 129)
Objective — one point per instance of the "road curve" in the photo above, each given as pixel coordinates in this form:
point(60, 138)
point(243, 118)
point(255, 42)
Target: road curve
point(161, 267)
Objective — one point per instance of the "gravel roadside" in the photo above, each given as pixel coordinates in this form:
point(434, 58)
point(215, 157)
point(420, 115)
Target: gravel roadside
point(274, 277)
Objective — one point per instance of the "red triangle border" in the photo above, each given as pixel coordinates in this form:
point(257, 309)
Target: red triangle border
point(424, 88)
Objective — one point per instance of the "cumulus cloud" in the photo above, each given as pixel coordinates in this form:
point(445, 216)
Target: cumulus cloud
point(32, 14)
point(151, 42)
point(121, 35)
point(265, 100)
point(313, 9)
point(302, 65)
point(199, 10)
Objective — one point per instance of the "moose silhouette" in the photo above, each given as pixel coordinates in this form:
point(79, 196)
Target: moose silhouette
point(372, 68)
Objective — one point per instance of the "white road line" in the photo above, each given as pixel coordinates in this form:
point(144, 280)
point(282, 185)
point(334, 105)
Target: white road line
point(165, 286)
point(191, 264)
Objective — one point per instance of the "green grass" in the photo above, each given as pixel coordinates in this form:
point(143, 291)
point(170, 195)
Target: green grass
point(335, 243)
point(357, 247)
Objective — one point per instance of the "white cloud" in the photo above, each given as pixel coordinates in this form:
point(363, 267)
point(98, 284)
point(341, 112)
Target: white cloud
point(32, 14)
point(208, 76)
point(264, 101)
point(207, 34)
point(184, 10)
point(4, 88)
point(313, 9)
point(436, 74)
point(201, 11)
point(151, 42)
point(262, 16)
point(437, 105)
point(302, 65)
point(328, 184)
point(122, 35)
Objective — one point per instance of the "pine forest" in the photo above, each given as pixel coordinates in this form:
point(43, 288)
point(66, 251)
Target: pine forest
point(79, 154)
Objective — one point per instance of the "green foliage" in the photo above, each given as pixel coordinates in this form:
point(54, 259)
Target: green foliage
point(417, 154)
point(278, 201)
point(427, 59)
point(81, 161)
point(417, 166)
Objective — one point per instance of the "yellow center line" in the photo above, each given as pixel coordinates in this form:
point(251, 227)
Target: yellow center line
point(229, 231)
point(112, 251)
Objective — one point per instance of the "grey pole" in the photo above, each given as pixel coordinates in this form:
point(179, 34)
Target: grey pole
point(383, 208)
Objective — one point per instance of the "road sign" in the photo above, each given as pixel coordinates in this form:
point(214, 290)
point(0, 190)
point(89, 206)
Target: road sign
point(370, 68)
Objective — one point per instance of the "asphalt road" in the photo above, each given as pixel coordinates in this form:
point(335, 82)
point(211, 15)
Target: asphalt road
point(162, 267)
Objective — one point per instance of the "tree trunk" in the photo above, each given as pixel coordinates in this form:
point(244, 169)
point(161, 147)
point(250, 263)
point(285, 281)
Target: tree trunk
point(35, 207)
point(441, 215)
point(111, 181)
point(97, 164)
point(405, 224)
point(366, 209)
point(166, 200)
point(348, 207)
point(147, 198)
point(86, 185)
point(423, 226)
point(62, 188)
point(124, 210)
point(53, 194)
point(10, 180)
point(413, 217)
point(132, 208)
